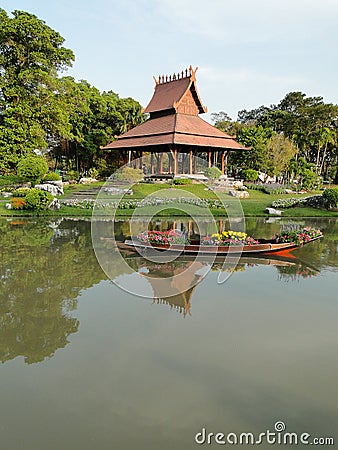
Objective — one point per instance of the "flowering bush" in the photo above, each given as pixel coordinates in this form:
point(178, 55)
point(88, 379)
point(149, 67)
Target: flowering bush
point(17, 203)
point(169, 237)
point(132, 204)
point(299, 237)
point(228, 238)
point(289, 202)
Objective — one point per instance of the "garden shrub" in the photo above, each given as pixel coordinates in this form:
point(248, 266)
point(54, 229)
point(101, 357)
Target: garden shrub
point(32, 168)
point(38, 200)
point(93, 173)
point(289, 202)
point(9, 180)
point(310, 180)
point(21, 192)
point(181, 181)
point(250, 175)
point(129, 174)
point(18, 203)
point(315, 201)
point(331, 197)
point(72, 175)
point(52, 176)
point(212, 173)
point(267, 188)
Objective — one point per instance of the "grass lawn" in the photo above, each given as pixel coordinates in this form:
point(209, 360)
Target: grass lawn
point(254, 206)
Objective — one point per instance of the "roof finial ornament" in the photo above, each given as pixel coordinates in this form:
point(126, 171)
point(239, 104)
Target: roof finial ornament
point(166, 78)
point(182, 74)
point(193, 73)
point(174, 77)
point(186, 72)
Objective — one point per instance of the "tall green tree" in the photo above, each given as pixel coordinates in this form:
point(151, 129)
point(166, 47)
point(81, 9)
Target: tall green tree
point(256, 158)
point(309, 122)
point(95, 119)
point(31, 107)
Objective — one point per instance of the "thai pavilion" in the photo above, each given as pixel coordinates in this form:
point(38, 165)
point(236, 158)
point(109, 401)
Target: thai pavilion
point(174, 133)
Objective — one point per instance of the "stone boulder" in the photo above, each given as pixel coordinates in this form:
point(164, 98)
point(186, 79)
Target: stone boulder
point(87, 180)
point(55, 204)
point(239, 194)
point(54, 190)
point(237, 184)
point(273, 211)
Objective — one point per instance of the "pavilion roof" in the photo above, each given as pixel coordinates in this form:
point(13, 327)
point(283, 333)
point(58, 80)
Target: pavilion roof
point(171, 90)
point(174, 120)
point(183, 129)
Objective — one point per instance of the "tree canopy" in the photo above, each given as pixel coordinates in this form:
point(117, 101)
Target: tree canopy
point(298, 127)
point(41, 110)
point(31, 55)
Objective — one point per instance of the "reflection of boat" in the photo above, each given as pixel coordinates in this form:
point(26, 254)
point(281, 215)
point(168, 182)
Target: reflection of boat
point(264, 246)
point(173, 282)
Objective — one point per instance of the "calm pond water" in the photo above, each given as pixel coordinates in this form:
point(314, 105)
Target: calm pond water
point(87, 365)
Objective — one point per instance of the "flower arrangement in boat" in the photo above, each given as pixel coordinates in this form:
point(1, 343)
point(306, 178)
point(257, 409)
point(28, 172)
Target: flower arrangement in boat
point(170, 237)
point(299, 237)
point(228, 238)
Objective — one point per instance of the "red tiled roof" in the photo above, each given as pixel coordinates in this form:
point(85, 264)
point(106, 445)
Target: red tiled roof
point(173, 129)
point(168, 95)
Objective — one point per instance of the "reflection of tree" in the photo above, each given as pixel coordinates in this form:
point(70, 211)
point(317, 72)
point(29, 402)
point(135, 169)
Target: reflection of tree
point(297, 270)
point(42, 271)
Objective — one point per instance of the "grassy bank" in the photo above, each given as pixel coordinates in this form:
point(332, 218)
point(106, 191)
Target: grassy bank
point(254, 206)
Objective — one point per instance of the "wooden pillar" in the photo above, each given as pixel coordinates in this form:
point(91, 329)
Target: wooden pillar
point(226, 154)
point(140, 159)
point(161, 163)
point(175, 162)
point(195, 165)
point(152, 164)
point(223, 157)
point(170, 165)
point(190, 161)
point(209, 158)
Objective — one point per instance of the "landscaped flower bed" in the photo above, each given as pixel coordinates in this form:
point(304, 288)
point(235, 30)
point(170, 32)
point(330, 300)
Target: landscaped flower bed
point(299, 237)
point(170, 237)
point(228, 238)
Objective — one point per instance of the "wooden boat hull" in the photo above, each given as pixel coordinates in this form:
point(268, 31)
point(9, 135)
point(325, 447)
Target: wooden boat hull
point(264, 247)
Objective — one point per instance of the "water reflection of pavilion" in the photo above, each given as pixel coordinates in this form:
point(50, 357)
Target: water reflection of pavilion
point(174, 283)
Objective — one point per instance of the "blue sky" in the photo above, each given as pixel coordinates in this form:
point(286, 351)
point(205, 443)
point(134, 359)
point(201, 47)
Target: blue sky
point(249, 52)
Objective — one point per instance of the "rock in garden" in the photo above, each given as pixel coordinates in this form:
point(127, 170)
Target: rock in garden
point(239, 194)
point(55, 204)
point(237, 184)
point(87, 180)
point(273, 211)
point(49, 188)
